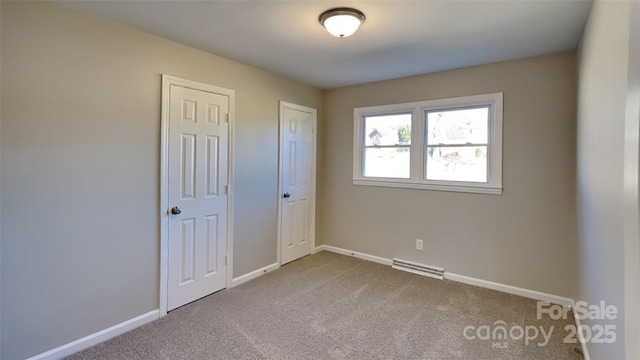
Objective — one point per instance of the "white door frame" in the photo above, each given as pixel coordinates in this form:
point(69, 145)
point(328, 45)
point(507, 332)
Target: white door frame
point(283, 105)
point(167, 81)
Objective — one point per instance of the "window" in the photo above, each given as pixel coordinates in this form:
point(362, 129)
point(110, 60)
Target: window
point(450, 144)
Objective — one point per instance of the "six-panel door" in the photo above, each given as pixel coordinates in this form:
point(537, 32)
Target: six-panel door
point(198, 165)
point(297, 184)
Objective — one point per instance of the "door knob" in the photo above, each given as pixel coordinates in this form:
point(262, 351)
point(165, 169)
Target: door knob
point(286, 195)
point(175, 210)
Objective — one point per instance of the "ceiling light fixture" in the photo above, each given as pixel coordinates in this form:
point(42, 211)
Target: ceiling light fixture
point(341, 22)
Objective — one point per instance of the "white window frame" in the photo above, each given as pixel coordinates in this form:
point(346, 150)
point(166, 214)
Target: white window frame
point(419, 144)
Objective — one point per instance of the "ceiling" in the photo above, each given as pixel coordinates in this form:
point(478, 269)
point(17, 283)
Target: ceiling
point(399, 38)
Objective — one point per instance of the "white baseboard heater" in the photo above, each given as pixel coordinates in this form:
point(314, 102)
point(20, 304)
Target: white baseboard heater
point(430, 271)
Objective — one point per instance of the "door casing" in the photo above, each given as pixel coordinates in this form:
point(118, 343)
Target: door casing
point(167, 81)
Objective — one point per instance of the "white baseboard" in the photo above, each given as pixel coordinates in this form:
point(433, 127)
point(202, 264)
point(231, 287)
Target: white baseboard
point(356, 254)
point(96, 338)
point(254, 274)
point(532, 294)
point(536, 295)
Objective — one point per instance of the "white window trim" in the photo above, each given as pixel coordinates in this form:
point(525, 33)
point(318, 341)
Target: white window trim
point(417, 179)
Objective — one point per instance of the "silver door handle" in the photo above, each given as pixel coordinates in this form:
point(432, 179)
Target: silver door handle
point(175, 210)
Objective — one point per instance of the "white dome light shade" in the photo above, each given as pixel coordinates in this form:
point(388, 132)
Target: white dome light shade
point(342, 25)
point(341, 22)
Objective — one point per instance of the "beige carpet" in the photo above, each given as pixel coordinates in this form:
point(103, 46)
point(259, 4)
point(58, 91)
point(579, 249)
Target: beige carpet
point(329, 306)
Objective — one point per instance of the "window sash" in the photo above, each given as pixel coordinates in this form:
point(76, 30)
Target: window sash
point(457, 145)
point(426, 166)
point(428, 111)
point(364, 163)
point(363, 128)
point(385, 146)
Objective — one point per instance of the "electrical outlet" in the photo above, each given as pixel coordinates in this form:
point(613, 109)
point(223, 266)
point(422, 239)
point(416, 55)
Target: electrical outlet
point(418, 244)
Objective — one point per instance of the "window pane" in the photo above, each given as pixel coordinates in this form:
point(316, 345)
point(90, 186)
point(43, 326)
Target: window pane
point(387, 162)
point(453, 127)
point(387, 130)
point(468, 163)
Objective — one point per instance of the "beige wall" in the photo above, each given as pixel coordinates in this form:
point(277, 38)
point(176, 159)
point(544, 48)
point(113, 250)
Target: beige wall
point(80, 169)
point(80, 148)
point(632, 191)
point(525, 237)
point(607, 172)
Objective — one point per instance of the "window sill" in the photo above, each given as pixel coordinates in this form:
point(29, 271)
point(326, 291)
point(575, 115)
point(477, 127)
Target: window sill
point(484, 189)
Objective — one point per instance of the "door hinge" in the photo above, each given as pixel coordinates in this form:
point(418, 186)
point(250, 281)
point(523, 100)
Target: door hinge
point(225, 260)
point(226, 189)
point(226, 117)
